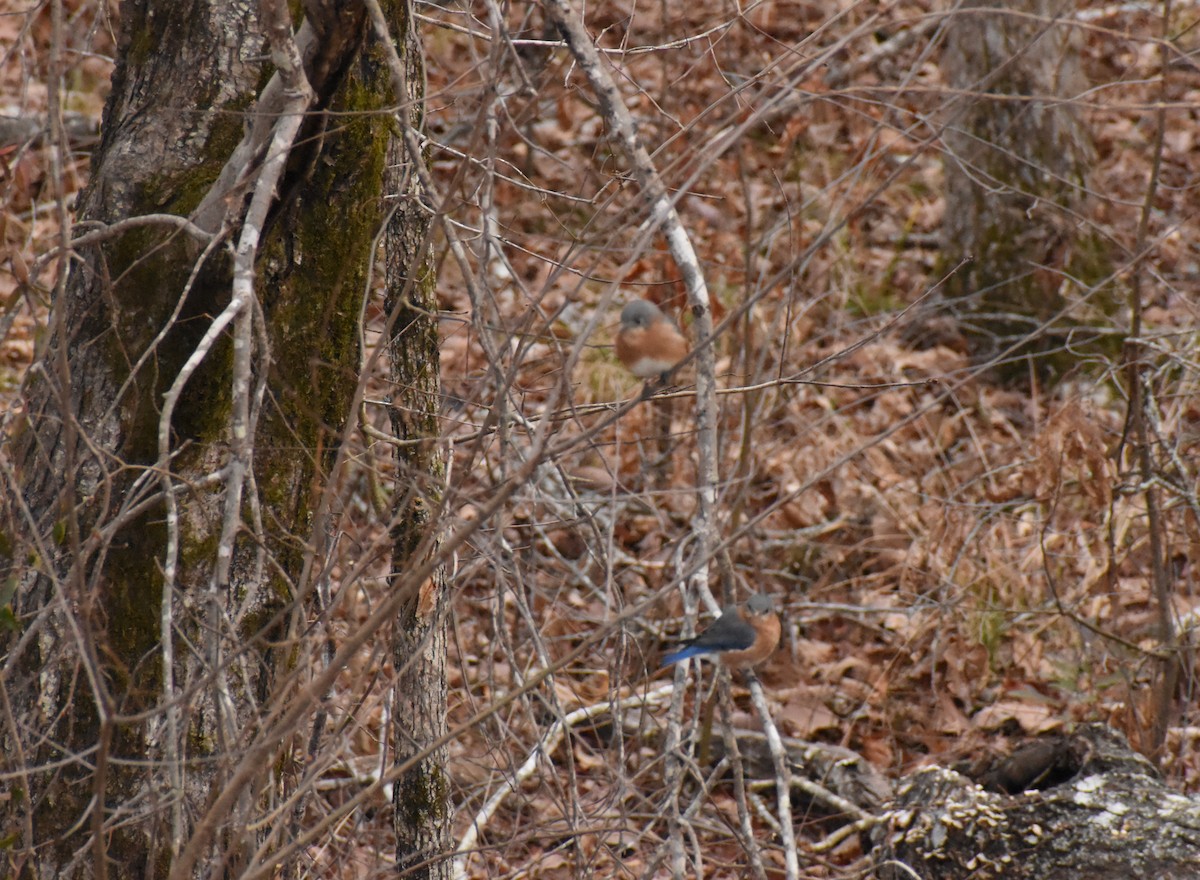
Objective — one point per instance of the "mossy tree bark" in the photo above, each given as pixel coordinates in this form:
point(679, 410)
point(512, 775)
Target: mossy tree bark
point(1017, 162)
point(157, 644)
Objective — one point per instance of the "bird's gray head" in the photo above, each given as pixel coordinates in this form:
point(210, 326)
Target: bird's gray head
point(759, 604)
point(640, 313)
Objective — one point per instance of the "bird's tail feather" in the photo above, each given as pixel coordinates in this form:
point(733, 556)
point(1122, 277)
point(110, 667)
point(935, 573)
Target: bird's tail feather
point(682, 654)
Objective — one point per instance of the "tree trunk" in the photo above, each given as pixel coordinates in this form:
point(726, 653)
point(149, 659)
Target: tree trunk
point(1016, 166)
point(124, 744)
point(421, 793)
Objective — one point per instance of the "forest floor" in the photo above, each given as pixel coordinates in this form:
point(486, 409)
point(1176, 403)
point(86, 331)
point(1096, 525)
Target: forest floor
point(959, 561)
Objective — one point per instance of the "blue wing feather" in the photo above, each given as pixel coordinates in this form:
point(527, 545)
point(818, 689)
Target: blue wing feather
point(727, 633)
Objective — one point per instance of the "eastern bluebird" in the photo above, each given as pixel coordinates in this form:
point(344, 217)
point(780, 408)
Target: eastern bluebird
point(742, 637)
point(649, 343)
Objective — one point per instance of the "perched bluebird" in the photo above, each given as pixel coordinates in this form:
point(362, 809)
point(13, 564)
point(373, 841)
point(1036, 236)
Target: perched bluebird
point(649, 343)
point(743, 636)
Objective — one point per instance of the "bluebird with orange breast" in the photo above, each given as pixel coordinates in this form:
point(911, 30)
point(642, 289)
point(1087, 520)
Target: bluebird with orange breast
point(649, 343)
point(742, 637)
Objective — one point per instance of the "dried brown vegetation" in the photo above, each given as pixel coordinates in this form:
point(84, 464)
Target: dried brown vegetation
point(959, 561)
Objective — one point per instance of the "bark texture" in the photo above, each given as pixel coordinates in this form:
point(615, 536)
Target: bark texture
point(112, 762)
point(1016, 165)
point(1098, 810)
point(421, 792)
